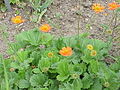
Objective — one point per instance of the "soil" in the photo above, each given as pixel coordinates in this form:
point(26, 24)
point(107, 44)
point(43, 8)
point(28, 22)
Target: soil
point(64, 18)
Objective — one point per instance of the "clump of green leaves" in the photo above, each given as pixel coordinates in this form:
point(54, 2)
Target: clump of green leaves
point(30, 66)
point(39, 9)
point(2, 8)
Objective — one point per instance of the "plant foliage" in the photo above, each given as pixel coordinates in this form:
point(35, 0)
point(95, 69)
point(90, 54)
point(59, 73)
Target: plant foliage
point(30, 67)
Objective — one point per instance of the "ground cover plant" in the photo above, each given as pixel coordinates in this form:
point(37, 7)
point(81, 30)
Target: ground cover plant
point(39, 60)
point(43, 62)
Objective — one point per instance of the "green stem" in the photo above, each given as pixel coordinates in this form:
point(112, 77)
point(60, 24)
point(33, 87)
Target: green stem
point(6, 76)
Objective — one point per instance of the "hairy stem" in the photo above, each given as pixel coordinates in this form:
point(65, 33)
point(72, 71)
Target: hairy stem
point(6, 76)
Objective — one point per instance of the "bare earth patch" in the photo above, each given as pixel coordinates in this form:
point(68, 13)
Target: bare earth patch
point(64, 18)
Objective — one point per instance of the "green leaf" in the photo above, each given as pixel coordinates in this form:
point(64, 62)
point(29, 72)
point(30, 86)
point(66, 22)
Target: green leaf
point(38, 79)
point(46, 38)
point(36, 70)
point(44, 89)
point(79, 68)
point(36, 4)
point(41, 14)
point(3, 8)
point(106, 72)
point(44, 64)
point(32, 37)
point(86, 58)
point(84, 35)
point(70, 41)
point(59, 43)
point(46, 4)
point(62, 77)
point(94, 66)
point(13, 1)
point(14, 65)
point(14, 47)
point(77, 84)
point(22, 56)
point(64, 70)
point(23, 84)
point(87, 81)
point(114, 84)
point(54, 85)
point(37, 56)
point(1, 68)
point(39, 88)
point(2, 85)
point(115, 66)
point(66, 86)
point(96, 86)
point(28, 74)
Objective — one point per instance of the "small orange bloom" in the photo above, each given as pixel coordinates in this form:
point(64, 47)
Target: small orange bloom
point(50, 54)
point(45, 28)
point(113, 6)
point(66, 51)
point(17, 20)
point(98, 8)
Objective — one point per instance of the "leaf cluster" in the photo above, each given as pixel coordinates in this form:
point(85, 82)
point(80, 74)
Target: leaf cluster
point(30, 68)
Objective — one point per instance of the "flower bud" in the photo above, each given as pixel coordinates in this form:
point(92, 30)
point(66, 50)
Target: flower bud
point(45, 69)
point(75, 76)
point(12, 69)
point(106, 84)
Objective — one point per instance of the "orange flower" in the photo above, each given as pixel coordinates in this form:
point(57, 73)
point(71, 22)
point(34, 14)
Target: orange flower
point(45, 28)
point(98, 8)
point(17, 20)
point(113, 6)
point(66, 51)
point(50, 54)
